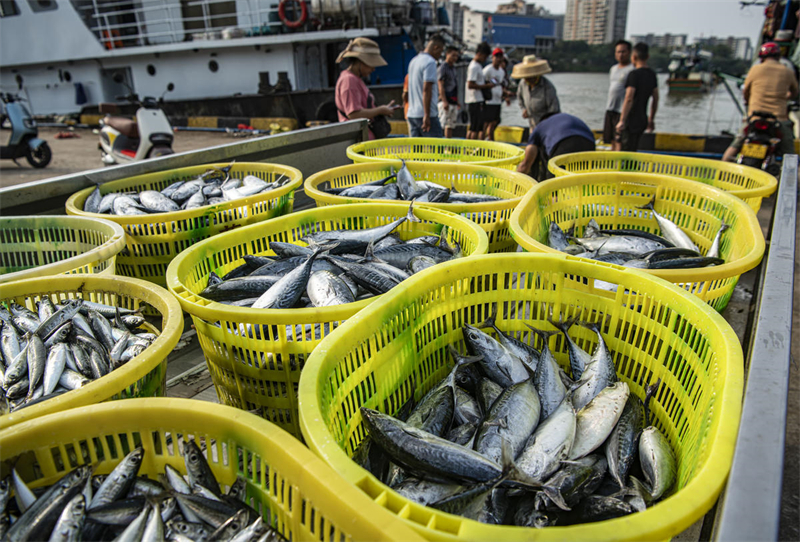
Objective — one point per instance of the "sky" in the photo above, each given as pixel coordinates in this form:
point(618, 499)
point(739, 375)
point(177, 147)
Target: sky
point(695, 18)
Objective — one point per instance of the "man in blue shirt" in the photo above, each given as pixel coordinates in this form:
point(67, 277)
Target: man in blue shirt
point(556, 134)
point(423, 91)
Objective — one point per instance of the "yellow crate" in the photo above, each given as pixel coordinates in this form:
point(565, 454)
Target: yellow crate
point(747, 183)
point(654, 330)
point(296, 492)
point(262, 372)
point(154, 239)
point(612, 199)
point(37, 246)
point(491, 216)
point(509, 134)
point(431, 149)
point(143, 376)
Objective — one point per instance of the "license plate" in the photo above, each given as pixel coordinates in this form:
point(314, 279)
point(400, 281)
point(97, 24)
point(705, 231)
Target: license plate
point(752, 150)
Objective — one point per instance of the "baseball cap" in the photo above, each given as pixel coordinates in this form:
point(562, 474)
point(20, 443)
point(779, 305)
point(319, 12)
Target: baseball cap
point(497, 51)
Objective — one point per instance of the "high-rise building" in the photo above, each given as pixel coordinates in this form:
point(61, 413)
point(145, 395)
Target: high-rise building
point(669, 41)
point(595, 21)
point(740, 47)
point(475, 27)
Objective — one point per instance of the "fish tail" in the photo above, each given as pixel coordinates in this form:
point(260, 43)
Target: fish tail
point(651, 391)
point(410, 215)
point(649, 205)
point(460, 359)
point(724, 227)
point(554, 494)
point(591, 326)
point(544, 335)
point(564, 325)
point(489, 322)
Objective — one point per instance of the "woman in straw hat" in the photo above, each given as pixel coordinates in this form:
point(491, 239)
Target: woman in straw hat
point(353, 98)
point(537, 95)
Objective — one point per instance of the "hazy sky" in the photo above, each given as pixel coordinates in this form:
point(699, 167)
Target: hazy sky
point(693, 17)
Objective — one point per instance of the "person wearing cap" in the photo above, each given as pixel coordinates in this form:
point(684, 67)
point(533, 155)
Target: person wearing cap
point(537, 95)
point(473, 95)
point(768, 88)
point(554, 135)
point(494, 73)
point(448, 91)
point(353, 98)
point(423, 91)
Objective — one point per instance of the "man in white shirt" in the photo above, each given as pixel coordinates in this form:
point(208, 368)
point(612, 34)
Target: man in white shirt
point(473, 95)
point(616, 93)
point(493, 73)
point(423, 91)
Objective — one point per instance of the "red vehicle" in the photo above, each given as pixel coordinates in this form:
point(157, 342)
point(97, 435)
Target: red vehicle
point(762, 136)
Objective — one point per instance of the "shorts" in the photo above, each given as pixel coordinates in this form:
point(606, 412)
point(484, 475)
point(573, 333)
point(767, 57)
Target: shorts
point(491, 113)
point(630, 139)
point(610, 127)
point(475, 116)
point(787, 138)
point(449, 117)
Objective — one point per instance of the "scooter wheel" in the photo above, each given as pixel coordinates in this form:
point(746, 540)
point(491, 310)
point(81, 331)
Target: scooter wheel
point(39, 157)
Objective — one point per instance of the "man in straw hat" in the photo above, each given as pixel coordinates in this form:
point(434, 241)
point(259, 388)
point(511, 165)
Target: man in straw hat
point(353, 98)
point(537, 95)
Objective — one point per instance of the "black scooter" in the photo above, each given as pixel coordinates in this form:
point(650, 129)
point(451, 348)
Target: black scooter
point(24, 140)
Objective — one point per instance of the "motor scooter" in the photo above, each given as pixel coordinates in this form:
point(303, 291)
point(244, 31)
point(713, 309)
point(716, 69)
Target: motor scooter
point(24, 140)
point(762, 135)
point(124, 140)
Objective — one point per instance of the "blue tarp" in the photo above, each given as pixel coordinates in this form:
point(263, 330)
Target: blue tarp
point(398, 52)
point(520, 31)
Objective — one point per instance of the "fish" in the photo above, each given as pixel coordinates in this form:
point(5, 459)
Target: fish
point(578, 357)
point(156, 202)
point(548, 377)
point(713, 251)
point(287, 290)
point(502, 366)
point(671, 231)
point(598, 374)
point(658, 462)
point(325, 289)
point(550, 443)
point(622, 444)
point(511, 419)
point(596, 420)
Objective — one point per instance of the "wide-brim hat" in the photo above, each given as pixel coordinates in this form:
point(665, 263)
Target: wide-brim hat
point(364, 49)
point(530, 67)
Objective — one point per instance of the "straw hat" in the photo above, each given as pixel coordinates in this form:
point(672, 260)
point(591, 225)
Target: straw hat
point(530, 67)
point(366, 50)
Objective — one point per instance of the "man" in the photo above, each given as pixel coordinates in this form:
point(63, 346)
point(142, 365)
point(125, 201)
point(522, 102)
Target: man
point(640, 86)
point(556, 134)
point(473, 95)
point(494, 73)
point(423, 92)
point(537, 95)
point(768, 88)
point(618, 74)
point(448, 91)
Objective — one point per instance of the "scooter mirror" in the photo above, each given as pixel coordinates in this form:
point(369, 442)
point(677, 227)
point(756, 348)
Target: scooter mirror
point(170, 87)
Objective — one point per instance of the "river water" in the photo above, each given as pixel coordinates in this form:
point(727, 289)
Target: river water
point(585, 95)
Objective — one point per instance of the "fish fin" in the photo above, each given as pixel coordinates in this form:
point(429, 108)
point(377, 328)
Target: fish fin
point(554, 494)
point(410, 215)
point(489, 322)
point(567, 381)
point(649, 205)
point(453, 187)
point(571, 231)
point(460, 359)
point(369, 253)
point(724, 227)
point(442, 242)
point(118, 319)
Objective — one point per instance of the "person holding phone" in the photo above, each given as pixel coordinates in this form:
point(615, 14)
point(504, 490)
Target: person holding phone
point(353, 98)
point(495, 74)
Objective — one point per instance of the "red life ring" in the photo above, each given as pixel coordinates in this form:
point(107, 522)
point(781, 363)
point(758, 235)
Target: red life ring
point(303, 13)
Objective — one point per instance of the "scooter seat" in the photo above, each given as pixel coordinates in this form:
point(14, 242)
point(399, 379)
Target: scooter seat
point(126, 127)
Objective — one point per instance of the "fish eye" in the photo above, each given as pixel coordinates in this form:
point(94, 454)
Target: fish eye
point(183, 527)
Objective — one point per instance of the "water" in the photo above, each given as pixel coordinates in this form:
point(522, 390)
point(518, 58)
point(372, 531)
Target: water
point(585, 94)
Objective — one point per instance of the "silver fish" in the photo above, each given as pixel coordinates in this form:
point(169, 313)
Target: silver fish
point(597, 419)
point(157, 202)
point(713, 252)
point(658, 462)
point(599, 373)
point(671, 231)
point(92, 204)
point(325, 289)
point(548, 377)
point(550, 444)
point(70, 522)
point(54, 366)
point(511, 419)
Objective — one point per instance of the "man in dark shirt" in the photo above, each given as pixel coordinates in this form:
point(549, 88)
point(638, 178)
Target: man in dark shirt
point(556, 134)
point(448, 91)
point(639, 87)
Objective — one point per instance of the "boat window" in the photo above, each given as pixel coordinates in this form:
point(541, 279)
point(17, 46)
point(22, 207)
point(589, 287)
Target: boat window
point(8, 8)
point(42, 5)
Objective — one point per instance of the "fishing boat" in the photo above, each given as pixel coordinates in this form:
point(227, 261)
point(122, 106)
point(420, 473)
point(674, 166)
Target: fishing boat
point(689, 71)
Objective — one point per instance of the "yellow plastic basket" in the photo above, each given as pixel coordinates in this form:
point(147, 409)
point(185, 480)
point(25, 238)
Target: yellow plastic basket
point(431, 149)
point(653, 329)
point(747, 183)
point(509, 134)
point(262, 372)
point(143, 376)
point(37, 246)
point(612, 199)
point(154, 239)
point(492, 216)
point(295, 492)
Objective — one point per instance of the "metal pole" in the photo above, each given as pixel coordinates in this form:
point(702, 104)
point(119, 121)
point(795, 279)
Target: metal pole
point(733, 96)
point(752, 502)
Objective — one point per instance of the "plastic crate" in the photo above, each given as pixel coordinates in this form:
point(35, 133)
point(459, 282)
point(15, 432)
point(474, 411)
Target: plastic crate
point(431, 149)
point(509, 134)
point(154, 239)
point(747, 183)
point(492, 217)
point(294, 491)
point(654, 330)
point(613, 200)
point(143, 376)
point(37, 246)
point(262, 372)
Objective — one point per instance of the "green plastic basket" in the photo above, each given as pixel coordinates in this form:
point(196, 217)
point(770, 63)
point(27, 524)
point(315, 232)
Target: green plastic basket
point(431, 149)
point(153, 240)
point(398, 348)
